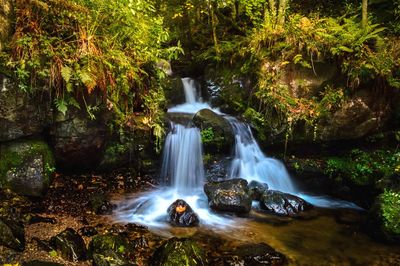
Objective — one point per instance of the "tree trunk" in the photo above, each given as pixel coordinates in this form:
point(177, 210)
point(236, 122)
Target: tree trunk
point(364, 13)
point(214, 27)
point(281, 12)
point(271, 11)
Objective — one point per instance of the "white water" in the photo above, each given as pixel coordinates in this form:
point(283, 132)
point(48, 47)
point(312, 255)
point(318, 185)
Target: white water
point(194, 102)
point(182, 165)
point(250, 163)
point(183, 172)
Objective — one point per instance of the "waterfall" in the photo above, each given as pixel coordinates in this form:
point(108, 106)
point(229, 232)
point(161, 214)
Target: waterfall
point(189, 88)
point(250, 163)
point(183, 159)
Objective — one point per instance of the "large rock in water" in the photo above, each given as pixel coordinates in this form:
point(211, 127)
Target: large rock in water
point(20, 113)
point(12, 235)
point(78, 141)
point(217, 134)
point(70, 245)
point(230, 195)
point(26, 167)
point(280, 203)
point(181, 214)
point(177, 251)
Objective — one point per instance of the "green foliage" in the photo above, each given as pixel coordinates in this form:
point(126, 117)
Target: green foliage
point(74, 48)
point(390, 208)
point(363, 168)
point(207, 135)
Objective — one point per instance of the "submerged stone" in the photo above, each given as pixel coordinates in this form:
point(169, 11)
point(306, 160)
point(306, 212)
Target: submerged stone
point(181, 214)
point(179, 251)
point(251, 255)
point(69, 245)
point(281, 203)
point(12, 235)
point(230, 195)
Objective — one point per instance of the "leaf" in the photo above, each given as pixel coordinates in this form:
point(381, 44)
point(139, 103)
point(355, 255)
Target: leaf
point(66, 73)
point(61, 105)
point(345, 49)
point(87, 80)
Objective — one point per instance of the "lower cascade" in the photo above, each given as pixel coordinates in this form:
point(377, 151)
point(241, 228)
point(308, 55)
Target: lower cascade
point(183, 178)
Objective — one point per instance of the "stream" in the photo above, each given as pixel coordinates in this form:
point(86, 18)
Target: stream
point(327, 235)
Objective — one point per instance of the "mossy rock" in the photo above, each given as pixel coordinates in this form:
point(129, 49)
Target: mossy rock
point(107, 244)
point(177, 252)
point(26, 167)
point(216, 132)
point(384, 217)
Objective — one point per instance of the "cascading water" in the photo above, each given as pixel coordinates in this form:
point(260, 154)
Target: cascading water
point(182, 172)
point(250, 163)
point(182, 165)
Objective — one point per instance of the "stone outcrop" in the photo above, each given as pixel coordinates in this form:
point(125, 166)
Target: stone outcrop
point(74, 137)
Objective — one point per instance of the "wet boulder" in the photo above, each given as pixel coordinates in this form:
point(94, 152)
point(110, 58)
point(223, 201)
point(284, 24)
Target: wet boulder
point(181, 214)
point(231, 195)
point(26, 167)
point(12, 235)
point(70, 245)
point(216, 132)
point(251, 255)
point(179, 251)
point(109, 249)
point(257, 189)
point(284, 204)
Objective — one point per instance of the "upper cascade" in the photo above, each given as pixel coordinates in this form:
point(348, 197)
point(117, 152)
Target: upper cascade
point(194, 101)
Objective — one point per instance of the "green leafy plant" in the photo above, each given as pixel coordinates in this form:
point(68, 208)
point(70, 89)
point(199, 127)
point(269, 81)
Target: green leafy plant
point(207, 135)
point(390, 201)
